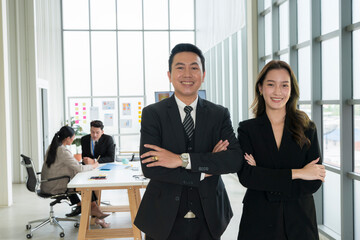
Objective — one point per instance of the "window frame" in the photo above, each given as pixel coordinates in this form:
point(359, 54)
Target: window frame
point(346, 101)
point(143, 30)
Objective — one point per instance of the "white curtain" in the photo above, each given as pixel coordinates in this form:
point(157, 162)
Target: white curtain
point(216, 20)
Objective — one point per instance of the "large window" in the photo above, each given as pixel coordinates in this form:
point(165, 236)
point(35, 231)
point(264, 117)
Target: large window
point(115, 54)
point(226, 70)
point(326, 61)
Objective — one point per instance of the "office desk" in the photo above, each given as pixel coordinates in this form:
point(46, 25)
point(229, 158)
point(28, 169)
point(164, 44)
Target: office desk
point(119, 177)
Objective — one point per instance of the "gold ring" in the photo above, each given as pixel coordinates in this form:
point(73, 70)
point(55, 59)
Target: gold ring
point(155, 158)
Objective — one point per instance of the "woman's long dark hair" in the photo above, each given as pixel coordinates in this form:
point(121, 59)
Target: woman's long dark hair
point(299, 121)
point(63, 133)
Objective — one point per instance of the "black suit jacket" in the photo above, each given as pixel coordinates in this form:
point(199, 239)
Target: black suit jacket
point(275, 204)
point(161, 125)
point(105, 148)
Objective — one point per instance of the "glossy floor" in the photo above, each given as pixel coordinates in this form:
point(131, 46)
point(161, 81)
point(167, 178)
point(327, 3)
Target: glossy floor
point(27, 207)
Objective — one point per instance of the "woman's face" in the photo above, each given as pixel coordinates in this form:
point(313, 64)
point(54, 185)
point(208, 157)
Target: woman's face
point(276, 89)
point(69, 140)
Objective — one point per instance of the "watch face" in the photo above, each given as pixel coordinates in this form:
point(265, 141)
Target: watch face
point(185, 157)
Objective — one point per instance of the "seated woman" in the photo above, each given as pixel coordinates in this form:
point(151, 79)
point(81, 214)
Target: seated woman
point(59, 161)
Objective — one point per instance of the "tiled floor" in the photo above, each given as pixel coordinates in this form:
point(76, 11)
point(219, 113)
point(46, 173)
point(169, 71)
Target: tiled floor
point(27, 207)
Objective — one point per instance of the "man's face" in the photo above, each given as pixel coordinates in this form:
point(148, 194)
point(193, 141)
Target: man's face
point(186, 75)
point(96, 133)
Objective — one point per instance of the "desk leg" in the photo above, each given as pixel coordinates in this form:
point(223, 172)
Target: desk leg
point(137, 196)
point(85, 212)
point(133, 203)
point(98, 195)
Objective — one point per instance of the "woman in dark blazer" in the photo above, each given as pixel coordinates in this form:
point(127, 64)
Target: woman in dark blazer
point(283, 165)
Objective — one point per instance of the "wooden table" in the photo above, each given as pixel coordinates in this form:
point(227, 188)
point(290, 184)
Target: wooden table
point(119, 177)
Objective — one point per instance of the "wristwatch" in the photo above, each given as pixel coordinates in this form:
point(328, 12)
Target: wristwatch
point(185, 159)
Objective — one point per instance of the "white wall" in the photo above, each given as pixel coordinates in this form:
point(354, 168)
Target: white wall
point(49, 62)
point(5, 150)
point(22, 73)
point(252, 49)
point(35, 61)
point(38, 38)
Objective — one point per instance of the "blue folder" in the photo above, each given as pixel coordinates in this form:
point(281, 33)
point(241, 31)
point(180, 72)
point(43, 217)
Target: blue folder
point(108, 167)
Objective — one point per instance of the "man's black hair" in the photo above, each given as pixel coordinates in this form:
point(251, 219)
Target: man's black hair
point(186, 47)
point(97, 124)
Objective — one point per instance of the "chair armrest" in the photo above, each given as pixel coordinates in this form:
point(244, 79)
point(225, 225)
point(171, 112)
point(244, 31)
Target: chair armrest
point(55, 178)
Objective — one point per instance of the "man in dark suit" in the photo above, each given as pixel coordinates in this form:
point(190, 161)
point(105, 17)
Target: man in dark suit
point(186, 144)
point(94, 145)
point(97, 144)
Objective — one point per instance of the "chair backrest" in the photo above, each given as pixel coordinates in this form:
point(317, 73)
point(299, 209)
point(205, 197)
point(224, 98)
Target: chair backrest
point(32, 180)
point(114, 152)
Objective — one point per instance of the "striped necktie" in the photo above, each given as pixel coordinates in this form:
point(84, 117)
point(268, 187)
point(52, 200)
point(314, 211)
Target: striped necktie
point(188, 122)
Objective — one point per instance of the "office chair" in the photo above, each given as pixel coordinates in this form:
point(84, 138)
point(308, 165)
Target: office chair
point(33, 182)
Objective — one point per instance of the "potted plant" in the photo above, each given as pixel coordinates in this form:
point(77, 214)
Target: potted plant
point(78, 134)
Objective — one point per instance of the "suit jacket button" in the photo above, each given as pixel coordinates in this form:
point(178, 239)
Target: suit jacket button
point(189, 148)
point(177, 198)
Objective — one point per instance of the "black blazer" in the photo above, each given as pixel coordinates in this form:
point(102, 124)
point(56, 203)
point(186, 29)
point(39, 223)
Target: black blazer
point(275, 204)
point(161, 125)
point(105, 148)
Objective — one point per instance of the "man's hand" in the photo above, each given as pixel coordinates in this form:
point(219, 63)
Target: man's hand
point(161, 157)
point(88, 160)
point(95, 165)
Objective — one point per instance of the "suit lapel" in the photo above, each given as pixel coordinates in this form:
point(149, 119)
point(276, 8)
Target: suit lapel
point(88, 145)
point(201, 124)
point(175, 122)
point(270, 142)
point(268, 134)
point(97, 145)
point(286, 137)
point(286, 140)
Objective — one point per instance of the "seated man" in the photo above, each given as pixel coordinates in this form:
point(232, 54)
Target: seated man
point(97, 144)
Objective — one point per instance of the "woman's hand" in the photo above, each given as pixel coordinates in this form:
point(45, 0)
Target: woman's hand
point(250, 159)
point(311, 171)
point(221, 146)
point(88, 160)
